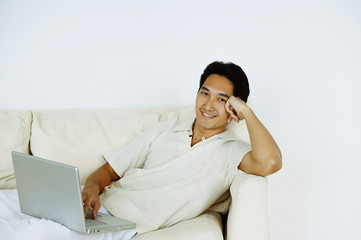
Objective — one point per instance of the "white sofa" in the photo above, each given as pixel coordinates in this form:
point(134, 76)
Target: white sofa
point(80, 137)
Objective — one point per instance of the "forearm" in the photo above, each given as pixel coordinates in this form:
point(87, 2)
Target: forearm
point(94, 185)
point(265, 151)
point(101, 178)
point(265, 157)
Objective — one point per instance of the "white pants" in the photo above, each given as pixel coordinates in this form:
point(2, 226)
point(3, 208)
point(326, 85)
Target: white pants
point(15, 225)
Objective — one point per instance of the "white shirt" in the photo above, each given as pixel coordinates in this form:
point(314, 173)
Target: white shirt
point(164, 180)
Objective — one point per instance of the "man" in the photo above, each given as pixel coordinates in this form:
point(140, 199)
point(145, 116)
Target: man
point(176, 170)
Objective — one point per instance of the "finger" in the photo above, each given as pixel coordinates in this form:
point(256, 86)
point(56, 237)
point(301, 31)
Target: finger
point(86, 207)
point(96, 208)
point(83, 196)
point(229, 120)
point(229, 109)
point(234, 118)
point(232, 112)
point(233, 115)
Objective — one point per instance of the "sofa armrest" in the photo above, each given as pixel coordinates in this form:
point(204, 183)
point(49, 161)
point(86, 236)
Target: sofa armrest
point(248, 214)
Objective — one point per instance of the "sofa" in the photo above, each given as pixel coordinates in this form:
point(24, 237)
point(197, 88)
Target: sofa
point(81, 137)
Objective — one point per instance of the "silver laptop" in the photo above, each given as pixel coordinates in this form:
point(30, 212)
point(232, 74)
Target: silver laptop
point(52, 191)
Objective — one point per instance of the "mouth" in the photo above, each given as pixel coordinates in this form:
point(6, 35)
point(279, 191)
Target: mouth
point(206, 115)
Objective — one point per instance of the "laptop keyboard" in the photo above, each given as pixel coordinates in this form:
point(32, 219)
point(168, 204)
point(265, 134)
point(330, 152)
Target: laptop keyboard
point(93, 222)
point(90, 222)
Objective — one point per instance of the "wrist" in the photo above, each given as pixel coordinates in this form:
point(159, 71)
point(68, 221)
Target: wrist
point(92, 186)
point(246, 113)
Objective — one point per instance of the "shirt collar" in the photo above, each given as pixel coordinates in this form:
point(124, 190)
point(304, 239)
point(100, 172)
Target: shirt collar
point(186, 125)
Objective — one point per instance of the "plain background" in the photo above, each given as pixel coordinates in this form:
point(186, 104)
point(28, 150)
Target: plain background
point(302, 59)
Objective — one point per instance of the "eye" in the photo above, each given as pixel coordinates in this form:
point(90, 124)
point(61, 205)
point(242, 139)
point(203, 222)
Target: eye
point(222, 100)
point(204, 93)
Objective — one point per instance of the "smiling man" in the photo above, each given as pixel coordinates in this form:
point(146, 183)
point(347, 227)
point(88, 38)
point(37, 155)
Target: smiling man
point(176, 170)
point(221, 98)
point(211, 114)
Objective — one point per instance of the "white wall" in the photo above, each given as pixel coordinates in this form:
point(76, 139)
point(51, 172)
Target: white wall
point(302, 58)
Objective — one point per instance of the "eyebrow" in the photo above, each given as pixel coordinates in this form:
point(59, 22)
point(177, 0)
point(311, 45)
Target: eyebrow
point(222, 94)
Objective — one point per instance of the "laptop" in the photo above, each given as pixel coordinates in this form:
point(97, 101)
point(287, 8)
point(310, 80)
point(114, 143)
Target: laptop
point(52, 191)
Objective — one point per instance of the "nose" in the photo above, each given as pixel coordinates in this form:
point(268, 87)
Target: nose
point(209, 105)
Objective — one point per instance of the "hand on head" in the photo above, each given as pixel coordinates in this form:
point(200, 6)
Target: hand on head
point(236, 108)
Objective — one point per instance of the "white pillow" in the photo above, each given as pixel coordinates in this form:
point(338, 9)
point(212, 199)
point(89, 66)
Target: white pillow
point(14, 136)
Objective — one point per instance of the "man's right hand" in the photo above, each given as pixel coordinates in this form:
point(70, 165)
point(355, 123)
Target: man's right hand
point(90, 196)
point(94, 185)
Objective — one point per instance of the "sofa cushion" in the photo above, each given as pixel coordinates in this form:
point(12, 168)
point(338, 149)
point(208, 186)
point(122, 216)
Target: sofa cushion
point(81, 137)
point(207, 226)
point(239, 130)
point(14, 136)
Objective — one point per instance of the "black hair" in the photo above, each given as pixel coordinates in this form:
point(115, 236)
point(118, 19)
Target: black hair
point(232, 72)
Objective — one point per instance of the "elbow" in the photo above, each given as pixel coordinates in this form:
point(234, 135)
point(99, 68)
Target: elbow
point(275, 165)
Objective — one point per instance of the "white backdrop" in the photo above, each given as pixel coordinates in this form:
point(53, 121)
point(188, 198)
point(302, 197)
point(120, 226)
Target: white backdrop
point(302, 58)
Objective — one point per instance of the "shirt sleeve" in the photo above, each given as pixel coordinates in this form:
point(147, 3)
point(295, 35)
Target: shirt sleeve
point(134, 154)
point(238, 150)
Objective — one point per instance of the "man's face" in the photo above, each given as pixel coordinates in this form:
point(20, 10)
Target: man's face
point(210, 103)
